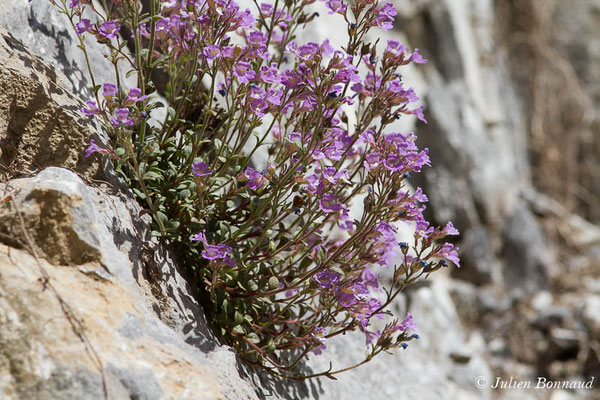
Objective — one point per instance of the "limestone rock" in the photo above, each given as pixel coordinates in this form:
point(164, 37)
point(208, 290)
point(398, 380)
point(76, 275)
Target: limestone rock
point(50, 36)
point(48, 307)
point(40, 123)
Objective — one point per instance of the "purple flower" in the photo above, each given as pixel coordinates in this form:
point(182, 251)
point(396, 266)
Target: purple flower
point(257, 38)
point(419, 113)
point(349, 296)
point(109, 90)
point(395, 48)
point(247, 19)
point(83, 26)
point(314, 185)
point(387, 245)
point(257, 103)
point(269, 74)
point(273, 97)
point(449, 252)
point(266, 8)
point(305, 52)
point(214, 252)
point(326, 48)
point(319, 335)
point(94, 148)
point(327, 278)
point(371, 336)
point(200, 169)
point(255, 178)
point(449, 229)
point(348, 74)
point(386, 229)
point(386, 16)
point(291, 79)
point(369, 278)
point(295, 136)
point(122, 117)
point(329, 174)
point(416, 57)
point(393, 162)
point(399, 95)
point(336, 6)
point(371, 307)
point(199, 237)
point(416, 161)
point(372, 161)
point(328, 203)
point(91, 109)
point(135, 96)
point(346, 297)
point(420, 196)
point(211, 52)
point(407, 324)
point(242, 72)
point(109, 29)
point(333, 176)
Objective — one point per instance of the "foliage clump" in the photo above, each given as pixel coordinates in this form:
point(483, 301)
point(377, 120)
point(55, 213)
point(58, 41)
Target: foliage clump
point(273, 170)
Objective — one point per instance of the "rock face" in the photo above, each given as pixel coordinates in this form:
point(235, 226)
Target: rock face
point(40, 124)
point(90, 306)
point(49, 35)
point(81, 316)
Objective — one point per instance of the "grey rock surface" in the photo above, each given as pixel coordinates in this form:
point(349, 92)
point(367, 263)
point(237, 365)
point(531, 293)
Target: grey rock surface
point(136, 329)
point(50, 36)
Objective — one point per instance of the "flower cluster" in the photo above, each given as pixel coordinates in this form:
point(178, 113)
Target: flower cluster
point(275, 244)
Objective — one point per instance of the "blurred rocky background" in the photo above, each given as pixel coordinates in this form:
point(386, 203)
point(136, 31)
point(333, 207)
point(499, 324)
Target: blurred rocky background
point(89, 305)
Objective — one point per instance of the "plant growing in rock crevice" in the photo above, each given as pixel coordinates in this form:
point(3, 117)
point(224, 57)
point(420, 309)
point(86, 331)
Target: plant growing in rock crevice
point(283, 262)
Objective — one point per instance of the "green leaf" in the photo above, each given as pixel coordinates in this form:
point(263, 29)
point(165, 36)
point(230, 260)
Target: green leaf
point(253, 337)
point(305, 263)
point(139, 194)
point(238, 318)
point(225, 305)
point(238, 329)
point(337, 269)
point(159, 60)
point(171, 111)
point(162, 218)
point(155, 234)
point(151, 176)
